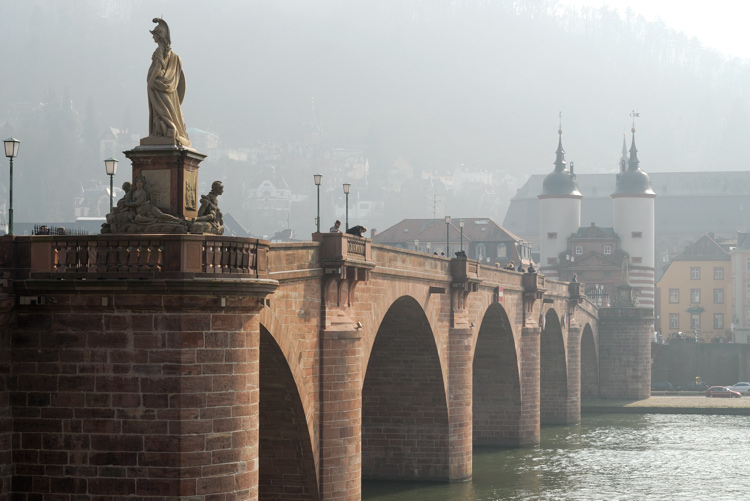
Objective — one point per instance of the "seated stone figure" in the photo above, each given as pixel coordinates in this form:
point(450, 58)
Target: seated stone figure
point(136, 214)
point(210, 219)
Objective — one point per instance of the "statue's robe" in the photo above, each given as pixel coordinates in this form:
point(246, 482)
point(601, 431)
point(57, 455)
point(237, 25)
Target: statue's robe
point(166, 90)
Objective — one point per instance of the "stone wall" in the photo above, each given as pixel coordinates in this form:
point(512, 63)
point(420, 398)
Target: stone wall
point(715, 363)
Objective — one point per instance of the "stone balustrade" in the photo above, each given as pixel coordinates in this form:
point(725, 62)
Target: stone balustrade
point(147, 256)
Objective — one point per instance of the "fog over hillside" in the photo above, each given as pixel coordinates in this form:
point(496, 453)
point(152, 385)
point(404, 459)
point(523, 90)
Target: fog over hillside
point(439, 83)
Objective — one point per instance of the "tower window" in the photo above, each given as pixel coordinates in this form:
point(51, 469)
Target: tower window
point(607, 249)
point(579, 249)
point(552, 234)
point(551, 260)
point(636, 234)
point(637, 260)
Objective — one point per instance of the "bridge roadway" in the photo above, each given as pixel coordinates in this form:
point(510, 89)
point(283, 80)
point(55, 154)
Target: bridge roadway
point(218, 368)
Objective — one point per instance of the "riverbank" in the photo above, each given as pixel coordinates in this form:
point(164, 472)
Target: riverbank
point(670, 405)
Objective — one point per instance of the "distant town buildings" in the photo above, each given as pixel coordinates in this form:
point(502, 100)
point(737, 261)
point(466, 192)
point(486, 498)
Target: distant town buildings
point(480, 238)
point(695, 296)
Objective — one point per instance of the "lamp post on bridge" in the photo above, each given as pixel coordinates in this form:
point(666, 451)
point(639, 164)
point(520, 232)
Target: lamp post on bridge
point(318, 178)
point(11, 151)
point(448, 236)
point(346, 192)
point(461, 225)
point(110, 166)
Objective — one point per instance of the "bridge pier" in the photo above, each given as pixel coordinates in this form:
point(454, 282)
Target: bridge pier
point(341, 411)
point(529, 426)
point(625, 352)
point(573, 410)
point(460, 405)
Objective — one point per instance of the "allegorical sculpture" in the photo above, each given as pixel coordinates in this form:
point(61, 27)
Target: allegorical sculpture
point(166, 90)
point(209, 218)
point(136, 214)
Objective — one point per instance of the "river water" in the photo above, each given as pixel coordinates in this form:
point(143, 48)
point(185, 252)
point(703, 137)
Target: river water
point(608, 457)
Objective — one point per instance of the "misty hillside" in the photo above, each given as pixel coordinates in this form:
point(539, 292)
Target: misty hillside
point(439, 83)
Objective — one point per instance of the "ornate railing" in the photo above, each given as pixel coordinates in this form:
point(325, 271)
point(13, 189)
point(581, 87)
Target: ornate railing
point(120, 256)
point(355, 247)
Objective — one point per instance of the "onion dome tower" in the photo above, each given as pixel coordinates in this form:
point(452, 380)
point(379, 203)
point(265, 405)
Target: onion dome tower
point(559, 212)
point(633, 222)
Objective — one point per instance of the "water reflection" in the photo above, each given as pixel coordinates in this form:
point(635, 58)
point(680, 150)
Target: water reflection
point(612, 457)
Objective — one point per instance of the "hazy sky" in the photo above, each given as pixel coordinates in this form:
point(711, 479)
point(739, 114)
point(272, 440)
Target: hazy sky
point(721, 24)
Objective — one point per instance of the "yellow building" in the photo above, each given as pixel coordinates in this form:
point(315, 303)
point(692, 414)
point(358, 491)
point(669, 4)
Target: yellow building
point(694, 295)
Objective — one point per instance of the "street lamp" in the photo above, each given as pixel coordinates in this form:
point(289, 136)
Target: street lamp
point(110, 165)
point(318, 178)
point(11, 151)
point(461, 225)
point(416, 245)
point(346, 191)
point(447, 236)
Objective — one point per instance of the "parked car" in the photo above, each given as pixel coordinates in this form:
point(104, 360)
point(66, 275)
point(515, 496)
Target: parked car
point(694, 387)
point(722, 392)
point(662, 386)
point(740, 387)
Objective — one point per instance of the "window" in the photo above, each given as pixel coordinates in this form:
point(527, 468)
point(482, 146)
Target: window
point(481, 252)
point(637, 260)
point(695, 273)
point(502, 251)
point(695, 295)
point(718, 273)
point(747, 264)
point(718, 320)
point(551, 260)
point(579, 249)
point(636, 234)
point(695, 321)
point(674, 320)
point(552, 235)
point(674, 295)
point(607, 249)
point(718, 296)
point(747, 291)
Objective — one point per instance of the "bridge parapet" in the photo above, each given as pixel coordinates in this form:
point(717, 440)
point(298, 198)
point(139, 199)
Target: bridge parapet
point(94, 257)
point(342, 247)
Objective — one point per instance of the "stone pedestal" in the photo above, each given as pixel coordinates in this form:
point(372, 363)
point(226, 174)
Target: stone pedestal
point(172, 176)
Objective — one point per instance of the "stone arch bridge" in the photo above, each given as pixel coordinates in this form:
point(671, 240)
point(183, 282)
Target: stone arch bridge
point(208, 367)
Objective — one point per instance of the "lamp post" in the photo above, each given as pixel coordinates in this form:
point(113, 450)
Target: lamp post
point(461, 225)
point(11, 151)
point(318, 178)
point(110, 165)
point(346, 192)
point(448, 236)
